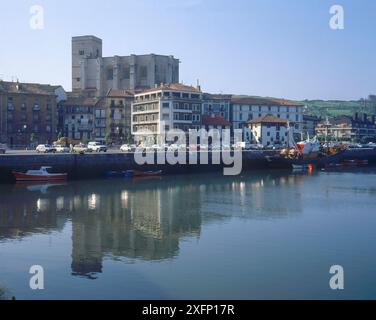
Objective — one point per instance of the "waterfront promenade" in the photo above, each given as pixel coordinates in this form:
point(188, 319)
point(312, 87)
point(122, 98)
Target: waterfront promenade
point(97, 165)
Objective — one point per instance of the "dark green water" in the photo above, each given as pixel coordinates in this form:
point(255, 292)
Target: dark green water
point(259, 235)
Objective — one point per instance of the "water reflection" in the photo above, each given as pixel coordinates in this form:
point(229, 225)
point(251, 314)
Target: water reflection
point(141, 219)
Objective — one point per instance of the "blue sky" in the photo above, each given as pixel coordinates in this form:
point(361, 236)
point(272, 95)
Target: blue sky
point(281, 48)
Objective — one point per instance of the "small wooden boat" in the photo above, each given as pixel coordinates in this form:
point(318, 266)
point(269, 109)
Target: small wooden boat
point(302, 167)
point(137, 173)
point(115, 174)
point(39, 175)
point(355, 163)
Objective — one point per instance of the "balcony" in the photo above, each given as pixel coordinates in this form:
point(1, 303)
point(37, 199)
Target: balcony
point(84, 127)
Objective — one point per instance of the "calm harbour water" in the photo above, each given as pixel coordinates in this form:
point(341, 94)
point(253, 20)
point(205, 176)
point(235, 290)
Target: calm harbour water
point(258, 235)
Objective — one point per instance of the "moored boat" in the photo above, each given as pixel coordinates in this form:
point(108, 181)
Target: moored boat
point(39, 175)
point(137, 173)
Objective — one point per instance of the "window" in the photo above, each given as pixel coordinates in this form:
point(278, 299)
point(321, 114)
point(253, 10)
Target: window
point(126, 73)
point(81, 52)
point(110, 74)
point(166, 105)
point(143, 72)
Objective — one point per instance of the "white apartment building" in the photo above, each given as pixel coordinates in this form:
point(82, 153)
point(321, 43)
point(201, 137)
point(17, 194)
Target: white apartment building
point(268, 130)
point(176, 106)
point(245, 109)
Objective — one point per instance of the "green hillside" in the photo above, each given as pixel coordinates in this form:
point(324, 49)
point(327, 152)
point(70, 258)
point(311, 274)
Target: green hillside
point(333, 108)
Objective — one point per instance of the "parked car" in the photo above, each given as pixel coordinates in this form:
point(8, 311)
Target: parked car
point(45, 148)
point(239, 145)
point(215, 147)
point(125, 148)
point(81, 148)
point(202, 147)
point(255, 147)
point(97, 147)
point(3, 148)
point(62, 149)
point(173, 147)
point(133, 147)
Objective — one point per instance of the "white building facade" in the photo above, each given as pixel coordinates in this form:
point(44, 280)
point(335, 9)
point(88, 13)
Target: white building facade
point(269, 130)
point(170, 106)
point(245, 109)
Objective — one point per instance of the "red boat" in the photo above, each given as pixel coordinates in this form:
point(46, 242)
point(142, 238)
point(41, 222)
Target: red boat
point(39, 175)
point(355, 163)
point(138, 174)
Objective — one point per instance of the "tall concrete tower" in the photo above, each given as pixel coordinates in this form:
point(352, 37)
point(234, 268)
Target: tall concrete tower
point(83, 48)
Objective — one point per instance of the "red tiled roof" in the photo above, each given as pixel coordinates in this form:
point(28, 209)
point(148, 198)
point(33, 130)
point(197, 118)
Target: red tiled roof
point(268, 119)
point(265, 101)
point(174, 86)
point(210, 96)
point(113, 93)
point(100, 103)
point(80, 102)
point(27, 88)
point(215, 121)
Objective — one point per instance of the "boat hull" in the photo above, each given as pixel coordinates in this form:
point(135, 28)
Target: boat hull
point(19, 176)
point(318, 162)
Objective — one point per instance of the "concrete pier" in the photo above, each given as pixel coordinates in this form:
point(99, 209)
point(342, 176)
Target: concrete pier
point(96, 165)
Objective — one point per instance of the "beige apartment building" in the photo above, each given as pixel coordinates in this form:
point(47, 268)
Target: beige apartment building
point(28, 113)
point(118, 105)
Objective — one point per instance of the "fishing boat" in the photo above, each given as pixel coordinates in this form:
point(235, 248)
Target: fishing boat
point(355, 163)
point(39, 175)
point(306, 152)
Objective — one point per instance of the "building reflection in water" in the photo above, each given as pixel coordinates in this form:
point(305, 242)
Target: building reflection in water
point(118, 219)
